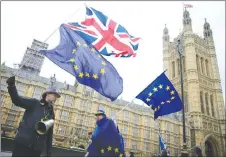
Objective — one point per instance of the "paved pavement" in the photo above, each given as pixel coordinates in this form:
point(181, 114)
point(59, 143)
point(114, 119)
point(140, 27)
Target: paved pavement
point(6, 154)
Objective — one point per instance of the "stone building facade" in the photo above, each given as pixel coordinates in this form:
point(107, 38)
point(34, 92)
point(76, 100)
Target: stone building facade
point(204, 104)
point(75, 116)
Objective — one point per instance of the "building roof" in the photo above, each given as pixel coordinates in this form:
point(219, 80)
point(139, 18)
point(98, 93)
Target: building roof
point(60, 85)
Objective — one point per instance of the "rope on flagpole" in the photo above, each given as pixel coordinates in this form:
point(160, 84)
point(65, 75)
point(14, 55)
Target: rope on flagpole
point(16, 73)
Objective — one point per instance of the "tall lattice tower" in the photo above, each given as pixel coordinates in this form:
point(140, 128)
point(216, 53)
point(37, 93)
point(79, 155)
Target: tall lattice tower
point(204, 104)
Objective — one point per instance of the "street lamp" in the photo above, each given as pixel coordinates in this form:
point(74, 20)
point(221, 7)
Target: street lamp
point(184, 152)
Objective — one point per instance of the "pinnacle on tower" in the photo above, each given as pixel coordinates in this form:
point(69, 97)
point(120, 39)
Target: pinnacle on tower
point(165, 34)
point(187, 21)
point(207, 32)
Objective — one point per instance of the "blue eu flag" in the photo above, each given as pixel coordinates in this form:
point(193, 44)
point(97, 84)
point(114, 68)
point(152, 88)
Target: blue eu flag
point(107, 142)
point(81, 60)
point(161, 96)
point(161, 143)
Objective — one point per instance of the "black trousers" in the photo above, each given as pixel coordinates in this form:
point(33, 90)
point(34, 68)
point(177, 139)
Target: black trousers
point(21, 150)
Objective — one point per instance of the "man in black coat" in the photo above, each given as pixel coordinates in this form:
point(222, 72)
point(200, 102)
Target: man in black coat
point(27, 141)
point(198, 151)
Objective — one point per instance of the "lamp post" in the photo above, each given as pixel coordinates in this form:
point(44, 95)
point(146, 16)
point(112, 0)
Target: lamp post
point(184, 152)
point(159, 139)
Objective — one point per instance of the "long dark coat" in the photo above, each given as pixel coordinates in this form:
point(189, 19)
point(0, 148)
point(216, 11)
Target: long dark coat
point(34, 112)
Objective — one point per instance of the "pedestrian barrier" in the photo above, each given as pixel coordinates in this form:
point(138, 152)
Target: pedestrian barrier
point(7, 146)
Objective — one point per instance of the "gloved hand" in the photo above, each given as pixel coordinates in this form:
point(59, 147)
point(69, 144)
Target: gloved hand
point(11, 81)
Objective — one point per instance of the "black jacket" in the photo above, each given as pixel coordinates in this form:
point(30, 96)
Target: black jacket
point(34, 112)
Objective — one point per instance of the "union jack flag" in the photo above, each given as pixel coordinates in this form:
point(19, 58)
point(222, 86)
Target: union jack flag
point(188, 6)
point(107, 36)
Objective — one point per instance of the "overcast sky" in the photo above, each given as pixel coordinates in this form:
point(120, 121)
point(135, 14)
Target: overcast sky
point(21, 22)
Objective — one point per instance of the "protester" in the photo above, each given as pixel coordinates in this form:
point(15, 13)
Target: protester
point(106, 139)
point(3, 133)
point(198, 151)
point(27, 141)
point(131, 154)
point(164, 153)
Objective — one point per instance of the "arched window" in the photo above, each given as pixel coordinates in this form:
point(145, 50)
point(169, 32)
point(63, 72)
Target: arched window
point(211, 103)
point(207, 67)
point(207, 104)
point(173, 69)
point(197, 63)
point(183, 63)
point(178, 67)
point(201, 102)
point(202, 65)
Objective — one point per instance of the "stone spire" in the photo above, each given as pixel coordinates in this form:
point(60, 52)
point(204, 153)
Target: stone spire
point(165, 34)
point(207, 32)
point(187, 23)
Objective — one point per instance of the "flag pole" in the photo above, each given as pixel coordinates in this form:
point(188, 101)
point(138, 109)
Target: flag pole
point(123, 108)
point(184, 152)
point(18, 70)
point(159, 137)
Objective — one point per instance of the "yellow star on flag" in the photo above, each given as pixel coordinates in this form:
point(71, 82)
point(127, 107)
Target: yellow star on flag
point(103, 63)
point(102, 71)
point(116, 150)
point(102, 150)
point(87, 75)
point(78, 44)
point(95, 76)
point(158, 107)
point(81, 75)
point(121, 155)
point(73, 51)
point(155, 89)
point(168, 88)
point(71, 60)
point(155, 109)
point(75, 67)
point(147, 99)
point(150, 94)
point(109, 148)
point(172, 97)
point(160, 86)
point(172, 92)
point(92, 49)
point(85, 45)
point(162, 102)
point(168, 101)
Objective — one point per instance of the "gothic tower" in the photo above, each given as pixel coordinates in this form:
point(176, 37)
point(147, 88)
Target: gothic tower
point(33, 60)
point(203, 99)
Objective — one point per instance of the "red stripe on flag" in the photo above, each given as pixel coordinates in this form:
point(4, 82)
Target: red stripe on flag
point(127, 36)
point(188, 6)
point(76, 28)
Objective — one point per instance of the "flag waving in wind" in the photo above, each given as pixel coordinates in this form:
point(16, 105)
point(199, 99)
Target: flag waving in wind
point(107, 36)
point(161, 143)
point(188, 6)
point(161, 96)
point(81, 60)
